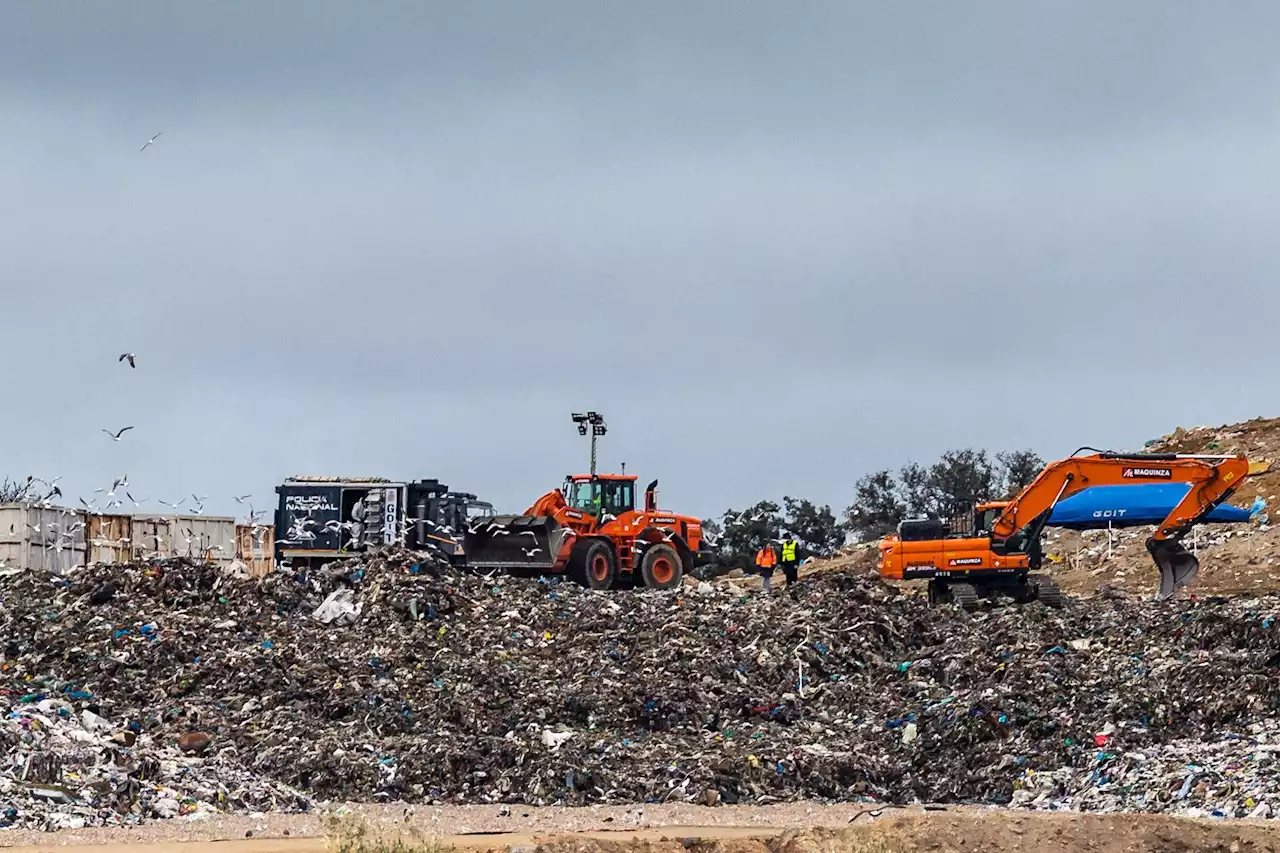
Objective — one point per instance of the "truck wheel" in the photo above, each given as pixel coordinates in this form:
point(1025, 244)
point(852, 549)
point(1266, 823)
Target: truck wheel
point(591, 564)
point(661, 567)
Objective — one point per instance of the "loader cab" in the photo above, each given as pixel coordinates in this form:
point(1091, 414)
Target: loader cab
point(606, 493)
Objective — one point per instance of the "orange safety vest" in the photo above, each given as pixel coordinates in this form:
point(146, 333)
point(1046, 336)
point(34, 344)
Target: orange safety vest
point(765, 558)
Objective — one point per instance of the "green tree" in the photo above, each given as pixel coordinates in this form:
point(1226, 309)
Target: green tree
point(877, 506)
point(916, 491)
point(815, 528)
point(1017, 469)
point(959, 479)
point(746, 531)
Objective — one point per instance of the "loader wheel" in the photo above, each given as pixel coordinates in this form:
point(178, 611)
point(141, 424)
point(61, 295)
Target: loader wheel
point(661, 567)
point(591, 564)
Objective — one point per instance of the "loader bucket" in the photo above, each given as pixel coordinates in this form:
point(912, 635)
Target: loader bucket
point(1178, 566)
point(514, 542)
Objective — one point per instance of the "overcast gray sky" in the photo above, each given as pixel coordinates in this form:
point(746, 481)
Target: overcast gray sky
point(779, 245)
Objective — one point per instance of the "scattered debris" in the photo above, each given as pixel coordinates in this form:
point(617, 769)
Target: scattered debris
point(216, 692)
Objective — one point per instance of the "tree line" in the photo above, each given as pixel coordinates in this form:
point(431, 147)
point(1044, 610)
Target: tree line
point(947, 488)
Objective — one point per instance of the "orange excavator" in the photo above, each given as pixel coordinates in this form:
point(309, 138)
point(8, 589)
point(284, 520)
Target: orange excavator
point(1003, 548)
point(591, 529)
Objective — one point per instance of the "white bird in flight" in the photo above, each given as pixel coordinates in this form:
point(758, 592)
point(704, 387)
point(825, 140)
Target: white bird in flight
point(115, 436)
point(149, 142)
point(130, 357)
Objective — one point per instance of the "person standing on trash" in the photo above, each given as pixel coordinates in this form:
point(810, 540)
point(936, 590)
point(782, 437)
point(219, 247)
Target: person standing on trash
point(766, 559)
point(790, 566)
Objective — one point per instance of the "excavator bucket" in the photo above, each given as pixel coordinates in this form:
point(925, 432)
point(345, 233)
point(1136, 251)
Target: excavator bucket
point(514, 543)
point(1178, 566)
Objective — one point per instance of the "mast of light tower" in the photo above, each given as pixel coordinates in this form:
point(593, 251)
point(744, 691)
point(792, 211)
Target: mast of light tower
point(593, 423)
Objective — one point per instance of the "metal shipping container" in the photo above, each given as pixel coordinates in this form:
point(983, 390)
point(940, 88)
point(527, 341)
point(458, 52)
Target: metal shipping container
point(255, 547)
point(110, 538)
point(151, 535)
point(49, 548)
point(206, 537)
point(212, 538)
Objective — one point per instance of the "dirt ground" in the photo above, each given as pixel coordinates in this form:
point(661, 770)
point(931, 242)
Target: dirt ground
point(790, 828)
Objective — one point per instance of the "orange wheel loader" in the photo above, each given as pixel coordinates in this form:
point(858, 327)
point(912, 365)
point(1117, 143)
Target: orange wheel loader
point(592, 530)
point(1003, 549)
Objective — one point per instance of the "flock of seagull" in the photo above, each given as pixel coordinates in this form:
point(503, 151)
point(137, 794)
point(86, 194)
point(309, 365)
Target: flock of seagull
point(59, 536)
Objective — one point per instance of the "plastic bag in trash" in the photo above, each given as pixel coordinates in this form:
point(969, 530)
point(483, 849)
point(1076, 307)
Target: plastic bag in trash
point(340, 608)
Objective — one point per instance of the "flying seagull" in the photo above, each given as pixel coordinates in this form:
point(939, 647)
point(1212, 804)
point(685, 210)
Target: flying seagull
point(130, 356)
point(242, 498)
point(115, 436)
point(149, 142)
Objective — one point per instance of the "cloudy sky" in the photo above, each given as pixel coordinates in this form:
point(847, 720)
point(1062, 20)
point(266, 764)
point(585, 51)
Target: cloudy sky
point(779, 245)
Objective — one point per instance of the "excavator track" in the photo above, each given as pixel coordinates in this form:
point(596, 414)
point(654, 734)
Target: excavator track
point(964, 594)
point(1046, 590)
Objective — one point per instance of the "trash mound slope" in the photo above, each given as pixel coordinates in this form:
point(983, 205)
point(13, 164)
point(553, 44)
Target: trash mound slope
point(158, 690)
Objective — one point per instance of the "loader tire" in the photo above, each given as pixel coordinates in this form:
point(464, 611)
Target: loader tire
point(661, 568)
point(591, 564)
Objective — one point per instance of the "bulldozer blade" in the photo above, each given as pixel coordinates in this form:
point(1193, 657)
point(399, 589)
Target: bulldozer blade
point(514, 543)
point(1178, 566)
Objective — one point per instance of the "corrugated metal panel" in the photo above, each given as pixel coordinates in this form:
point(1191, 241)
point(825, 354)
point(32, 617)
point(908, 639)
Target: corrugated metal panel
point(152, 537)
point(43, 538)
point(203, 537)
point(255, 547)
point(199, 537)
point(110, 538)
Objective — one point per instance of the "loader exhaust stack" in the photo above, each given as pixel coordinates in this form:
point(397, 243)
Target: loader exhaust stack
point(1178, 566)
point(516, 543)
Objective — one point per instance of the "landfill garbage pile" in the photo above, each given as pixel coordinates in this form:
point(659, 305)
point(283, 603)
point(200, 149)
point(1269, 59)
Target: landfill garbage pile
point(158, 690)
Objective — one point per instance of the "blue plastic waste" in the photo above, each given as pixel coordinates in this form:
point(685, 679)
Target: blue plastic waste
point(1131, 506)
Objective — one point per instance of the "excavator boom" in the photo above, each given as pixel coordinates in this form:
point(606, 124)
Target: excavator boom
point(1211, 480)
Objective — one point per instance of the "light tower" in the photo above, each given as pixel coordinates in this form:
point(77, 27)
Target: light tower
point(592, 422)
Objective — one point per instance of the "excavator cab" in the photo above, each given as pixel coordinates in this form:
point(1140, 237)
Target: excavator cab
point(985, 515)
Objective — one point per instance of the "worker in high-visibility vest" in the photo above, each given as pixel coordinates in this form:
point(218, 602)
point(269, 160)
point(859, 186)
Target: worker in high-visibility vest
point(790, 566)
point(766, 559)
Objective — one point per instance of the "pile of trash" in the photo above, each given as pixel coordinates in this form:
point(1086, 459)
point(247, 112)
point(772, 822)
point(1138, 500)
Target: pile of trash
point(173, 689)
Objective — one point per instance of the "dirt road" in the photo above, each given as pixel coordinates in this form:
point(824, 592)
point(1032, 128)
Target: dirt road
point(786, 828)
